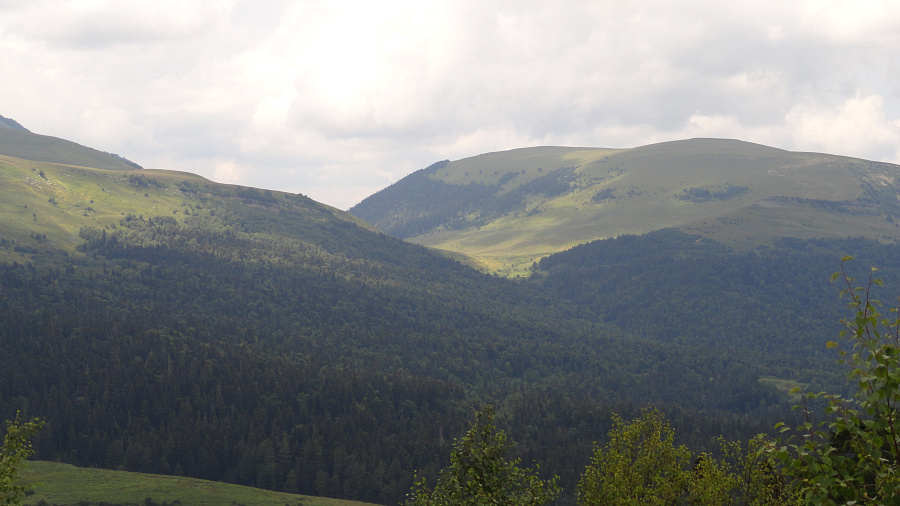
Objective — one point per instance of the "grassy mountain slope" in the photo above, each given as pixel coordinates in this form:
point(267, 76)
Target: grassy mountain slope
point(9, 123)
point(509, 209)
point(48, 203)
point(20, 143)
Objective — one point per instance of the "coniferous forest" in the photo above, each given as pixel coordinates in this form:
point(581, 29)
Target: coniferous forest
point(334, 367)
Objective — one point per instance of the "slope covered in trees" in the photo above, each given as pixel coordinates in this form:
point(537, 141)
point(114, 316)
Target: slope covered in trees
point(261, 338)
point(679, 288)
point(336, 370)
point(673, 286)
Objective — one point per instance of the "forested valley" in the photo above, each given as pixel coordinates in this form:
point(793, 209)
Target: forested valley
point(260, 338)
point(255, 345)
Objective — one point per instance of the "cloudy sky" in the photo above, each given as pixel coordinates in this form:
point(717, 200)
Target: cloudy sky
point(337, 99)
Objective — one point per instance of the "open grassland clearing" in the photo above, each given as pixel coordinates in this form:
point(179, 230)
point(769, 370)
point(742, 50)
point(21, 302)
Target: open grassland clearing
point(55, 201)
point(66, 484)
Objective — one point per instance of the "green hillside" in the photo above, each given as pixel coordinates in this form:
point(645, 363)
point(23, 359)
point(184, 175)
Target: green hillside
point(64, 484)
point(20, 143)
point(9, 123)
point(46, 205)
point(511, 208)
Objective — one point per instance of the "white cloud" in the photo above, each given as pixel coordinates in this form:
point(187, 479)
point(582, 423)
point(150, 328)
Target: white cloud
point(96, 24)
point(228, 172)
point(857, 127)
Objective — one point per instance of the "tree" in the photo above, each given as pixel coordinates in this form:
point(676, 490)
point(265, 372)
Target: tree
point(16, 448)
point(640, 465)
point(852, 456)
point(480, 475)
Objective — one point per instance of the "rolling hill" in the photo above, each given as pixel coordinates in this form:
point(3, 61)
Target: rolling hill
point(18, 142)
point(509, 209)
point(11, 124)
point(46, 205)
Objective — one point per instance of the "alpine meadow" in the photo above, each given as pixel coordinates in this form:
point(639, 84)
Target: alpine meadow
point(503, 329)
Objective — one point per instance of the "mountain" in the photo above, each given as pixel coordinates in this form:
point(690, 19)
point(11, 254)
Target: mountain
point(18, 142)
point(168, 324)
point(509, 209)
point(11, 124)
point(47, 207)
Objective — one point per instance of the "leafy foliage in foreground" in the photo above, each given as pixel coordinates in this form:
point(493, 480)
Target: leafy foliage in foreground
point(852, 456)
point(479, 473)
point(640, 465)
point(16, 448)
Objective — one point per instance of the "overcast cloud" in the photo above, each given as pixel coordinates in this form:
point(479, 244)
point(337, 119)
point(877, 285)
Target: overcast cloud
point(337, 99)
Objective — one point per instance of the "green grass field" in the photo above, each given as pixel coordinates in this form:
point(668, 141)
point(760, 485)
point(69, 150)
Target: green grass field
point(65, 484)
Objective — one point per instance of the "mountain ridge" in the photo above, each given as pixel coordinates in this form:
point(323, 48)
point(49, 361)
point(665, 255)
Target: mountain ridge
point(509, 209)
point(18, 142)
point(9, 123)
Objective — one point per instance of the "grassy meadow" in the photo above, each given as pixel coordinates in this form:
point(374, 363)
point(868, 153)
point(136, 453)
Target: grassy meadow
point(47, 204)
point(51, 202)
point(64, 484)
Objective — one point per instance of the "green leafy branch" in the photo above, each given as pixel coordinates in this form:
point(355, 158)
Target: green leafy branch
point(16, 448)
point(851, 458)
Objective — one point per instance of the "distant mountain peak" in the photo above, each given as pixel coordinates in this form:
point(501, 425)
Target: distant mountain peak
point(11, 124)
point(508, 209)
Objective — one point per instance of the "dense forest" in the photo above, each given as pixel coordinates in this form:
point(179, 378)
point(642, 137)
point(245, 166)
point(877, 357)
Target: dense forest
point(676, 287)
point(337, 365)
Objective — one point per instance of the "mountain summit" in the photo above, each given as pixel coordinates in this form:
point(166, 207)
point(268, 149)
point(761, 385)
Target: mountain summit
point(508, 209)
point(17, 141)
point(11, 124)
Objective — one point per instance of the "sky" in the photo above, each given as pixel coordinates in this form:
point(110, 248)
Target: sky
point(338, 99)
